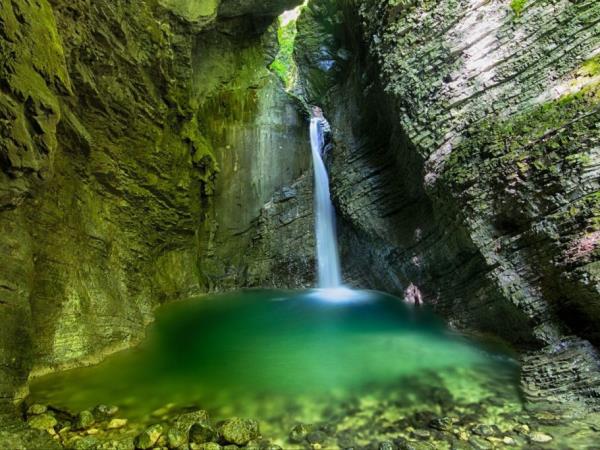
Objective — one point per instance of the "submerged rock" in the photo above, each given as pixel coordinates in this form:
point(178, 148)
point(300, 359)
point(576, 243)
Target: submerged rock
point(206, 446)
point(185, 421)
point(43, 421)
point(104, 412)
point(238, 431)
point(84, 443)
point(176, 438)
point(299, 433)
point(200, 433)
point(84, 420)
point(485, 430)
point(441, 424)
point(116, 423)
point(316, 437)
point(539, 437)
point(121, 444)
point(148, 438)
point(36, 409)
point(479, 443)
point(387, 445)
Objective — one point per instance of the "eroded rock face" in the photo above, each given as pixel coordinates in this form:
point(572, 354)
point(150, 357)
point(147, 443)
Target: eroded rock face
point(109, 165)
point(466, 159)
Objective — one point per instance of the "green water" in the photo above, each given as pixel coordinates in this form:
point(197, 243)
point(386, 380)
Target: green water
point(285, 356)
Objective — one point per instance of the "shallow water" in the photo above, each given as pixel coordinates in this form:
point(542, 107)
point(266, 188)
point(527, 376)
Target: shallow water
point(289, 356)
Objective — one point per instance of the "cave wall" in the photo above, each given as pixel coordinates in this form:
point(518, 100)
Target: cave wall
point(466, 165)
point(255, 130)
point(113, 168)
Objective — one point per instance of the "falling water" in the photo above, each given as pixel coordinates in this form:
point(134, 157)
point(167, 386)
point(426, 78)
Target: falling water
point(327, 251)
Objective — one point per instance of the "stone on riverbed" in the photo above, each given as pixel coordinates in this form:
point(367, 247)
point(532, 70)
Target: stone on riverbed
point(84, 443)
point(238, 431)
point(84, 420)
point(104, 412)
point(441, 424)
point(148, 437)
point(539, 437)
point(201, 433)
point(123, 444)
point(206, 446)
point(185, 421)
point(176, 438)
point(116, 423)
point(42, 421)
point(299, 433)
point(36, 409)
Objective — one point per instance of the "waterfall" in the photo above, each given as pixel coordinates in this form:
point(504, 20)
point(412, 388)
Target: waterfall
point(327, 251)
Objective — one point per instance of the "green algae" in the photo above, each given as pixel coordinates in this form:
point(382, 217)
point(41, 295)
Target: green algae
point(517, 6)
point(591, 67)
point(284, 65)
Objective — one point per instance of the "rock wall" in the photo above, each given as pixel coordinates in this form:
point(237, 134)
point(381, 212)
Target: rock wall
point(466, 164)
point(261, 145)
point(113, 166)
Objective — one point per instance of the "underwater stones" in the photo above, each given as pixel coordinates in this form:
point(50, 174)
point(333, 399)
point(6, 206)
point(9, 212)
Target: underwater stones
point(485, 430)
point(176, 437)
point(148, 438)
point(116, 423)
point(36, 409)
point(201, 433)
point(386, 445)
point(539, 437)
point(84, 443)
point(479, 443)
point(84, 420)
point(421, 434)
point(253, 445)
point(206, 446)
point(43, 421)
point(120, 444)
point(522, 428)
point(316, 437)
point(104, 412)
point(442, 424)
point(298, 433)
point(346, 439)
point(186, 420)
point(238, 431)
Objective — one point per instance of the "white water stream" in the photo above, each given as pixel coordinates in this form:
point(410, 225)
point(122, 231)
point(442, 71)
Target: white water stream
point(327, 250)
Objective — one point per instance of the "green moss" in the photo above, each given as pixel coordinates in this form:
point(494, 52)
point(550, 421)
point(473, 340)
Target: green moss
point(192, 11)
point(518, 6)
point(545, 141)
point(284, 65)
point(592, 66)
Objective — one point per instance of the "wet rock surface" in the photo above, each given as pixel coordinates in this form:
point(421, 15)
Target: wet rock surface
point(465, 165)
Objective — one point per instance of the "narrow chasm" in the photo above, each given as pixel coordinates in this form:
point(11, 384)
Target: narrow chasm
point(336, 224)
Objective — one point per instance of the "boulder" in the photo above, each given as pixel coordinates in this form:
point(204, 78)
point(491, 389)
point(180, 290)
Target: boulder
point(148, 437)
point(42, 421)
point(238, 431)
point(201, 433)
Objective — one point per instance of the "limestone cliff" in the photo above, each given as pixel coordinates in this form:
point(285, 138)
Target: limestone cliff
point(467, 164)
point(122, 122)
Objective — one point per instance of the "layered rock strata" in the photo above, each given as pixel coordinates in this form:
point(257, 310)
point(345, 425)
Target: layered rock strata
point(467, 162)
